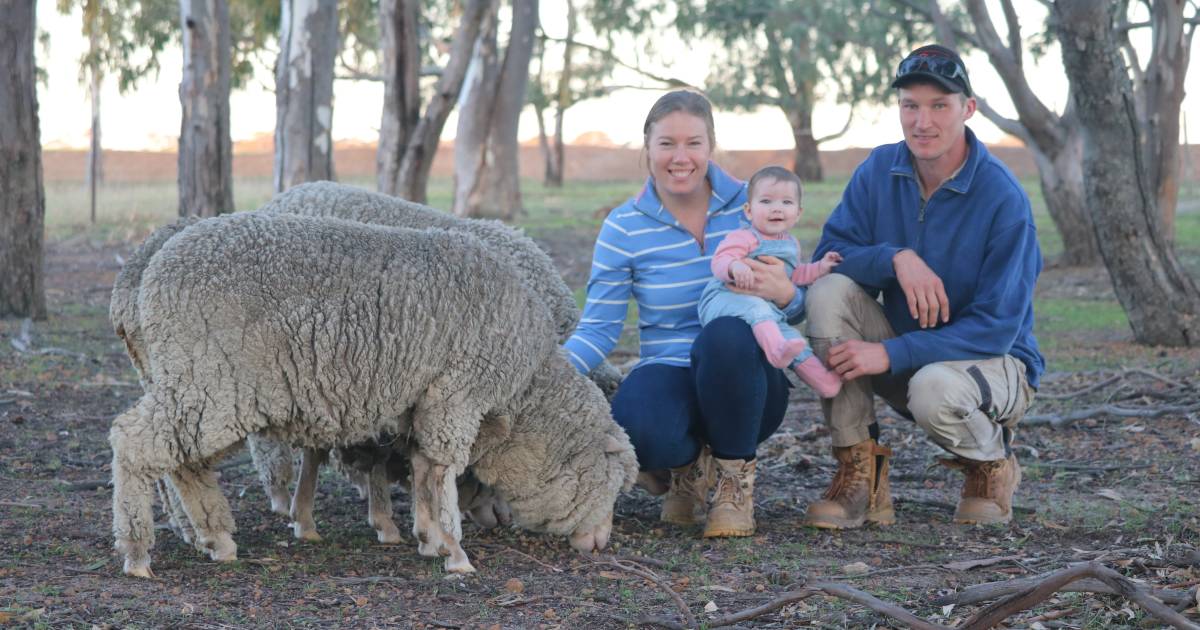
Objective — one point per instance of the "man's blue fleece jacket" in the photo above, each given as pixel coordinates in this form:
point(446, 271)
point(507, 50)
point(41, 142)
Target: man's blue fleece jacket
point(976, 232)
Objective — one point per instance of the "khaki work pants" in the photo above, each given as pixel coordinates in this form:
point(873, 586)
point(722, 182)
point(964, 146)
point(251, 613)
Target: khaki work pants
point(968, 408)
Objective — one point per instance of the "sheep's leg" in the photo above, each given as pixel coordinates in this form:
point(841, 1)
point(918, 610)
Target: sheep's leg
point(173, 506)
point(379, 505)
point(208, 510)
point(425, 529)
point(133, 487)
point(273, 461)
point(304, 526)
point(361, 482)
point(133, 517)
point(434, 484)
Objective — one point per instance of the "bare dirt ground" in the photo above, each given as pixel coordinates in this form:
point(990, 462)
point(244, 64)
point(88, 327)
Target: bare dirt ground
point(1120, 491)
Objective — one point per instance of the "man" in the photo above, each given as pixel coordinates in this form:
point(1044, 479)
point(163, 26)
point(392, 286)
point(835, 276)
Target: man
point(944, 232)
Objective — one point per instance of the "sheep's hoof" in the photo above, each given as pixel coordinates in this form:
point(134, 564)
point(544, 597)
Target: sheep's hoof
point(459, 564)
point(388, 535)
point(222, 548)
point(281, 503)
point(305, 533)
point(588, 541)
point(138, 569)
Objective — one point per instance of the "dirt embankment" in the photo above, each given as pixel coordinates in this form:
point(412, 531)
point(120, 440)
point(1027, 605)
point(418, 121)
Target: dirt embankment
point(588, 163)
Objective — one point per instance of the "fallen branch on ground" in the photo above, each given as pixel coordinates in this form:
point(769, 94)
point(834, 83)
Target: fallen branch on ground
point(1057, 421)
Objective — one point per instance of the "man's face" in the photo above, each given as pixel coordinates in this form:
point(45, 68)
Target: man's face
point(934, 121)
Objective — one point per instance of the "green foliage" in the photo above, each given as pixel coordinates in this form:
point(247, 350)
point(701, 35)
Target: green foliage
point(793, 53)
point(125, 37)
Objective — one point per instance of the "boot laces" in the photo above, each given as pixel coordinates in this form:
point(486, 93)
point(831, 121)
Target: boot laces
point(845, 475)
point(729, 489)
point(689, 483)
point(983, 478)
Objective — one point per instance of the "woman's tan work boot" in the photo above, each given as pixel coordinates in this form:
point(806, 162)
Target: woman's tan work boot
point(686, 502)
point(859, 492)
point(987, 491)
point(732, 512)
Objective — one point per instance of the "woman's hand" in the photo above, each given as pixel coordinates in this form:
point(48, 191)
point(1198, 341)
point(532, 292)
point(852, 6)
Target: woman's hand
point(771, 281)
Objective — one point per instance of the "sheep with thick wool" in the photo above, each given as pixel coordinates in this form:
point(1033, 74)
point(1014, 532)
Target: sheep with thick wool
point(327, 333)
point(273, 458)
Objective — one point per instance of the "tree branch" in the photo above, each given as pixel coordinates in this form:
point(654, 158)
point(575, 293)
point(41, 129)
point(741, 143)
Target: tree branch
point(1007, 125)
point(839, 134)
point(1014, 31)
point(612, 56)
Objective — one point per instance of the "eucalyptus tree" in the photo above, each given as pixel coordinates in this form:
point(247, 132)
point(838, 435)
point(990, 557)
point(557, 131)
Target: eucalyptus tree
point(486, 153)
point(308, 46)
point(408, 137)
point(1055, 138)
point(1160, 298)
point(22, 197)
point(205, 146)
point(118, 34)
point(794, 54)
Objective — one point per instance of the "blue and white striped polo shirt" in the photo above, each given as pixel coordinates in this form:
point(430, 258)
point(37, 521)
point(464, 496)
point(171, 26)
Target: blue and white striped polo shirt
point(642, 251)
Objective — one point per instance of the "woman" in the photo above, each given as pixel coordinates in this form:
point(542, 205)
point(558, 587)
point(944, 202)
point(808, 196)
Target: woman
point(700, 400)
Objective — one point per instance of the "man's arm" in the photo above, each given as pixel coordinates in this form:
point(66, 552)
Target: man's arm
point(991, 321)
point(850, 231)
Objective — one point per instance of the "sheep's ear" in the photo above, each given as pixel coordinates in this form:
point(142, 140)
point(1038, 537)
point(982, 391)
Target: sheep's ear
point(613, 445)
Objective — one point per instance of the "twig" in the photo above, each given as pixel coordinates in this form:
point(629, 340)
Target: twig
point(758, 611)
point(22, 504)
point(88, 484)
point(1057, 421)
point(1089, 389)
point(524, 555)
point(1027, 599)
point(374, 579)
point(657, 581)
point(1017, 509)
point(874, 603)
point(992, 590)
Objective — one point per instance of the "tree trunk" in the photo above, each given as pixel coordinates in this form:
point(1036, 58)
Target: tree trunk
point(22, 198)
point(95, 156)
point(1055, 141)
point(413, 177)
point(807, 155)
point(308, 45)
point(563, 99)
point(1061, 176)
point(205, 149)
point(1161, 300)
point(401, 87)
point(1162, 86)
point(552, 173)
point(487, 182)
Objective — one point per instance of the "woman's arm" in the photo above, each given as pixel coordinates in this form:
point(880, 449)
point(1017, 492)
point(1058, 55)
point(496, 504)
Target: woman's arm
point(607, 302)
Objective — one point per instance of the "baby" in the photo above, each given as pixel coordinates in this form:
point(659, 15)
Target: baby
point(772, 206)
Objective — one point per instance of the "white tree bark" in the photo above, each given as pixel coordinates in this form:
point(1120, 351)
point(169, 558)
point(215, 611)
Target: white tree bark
point(205, 148)
point(308, 46)
point(486, 161)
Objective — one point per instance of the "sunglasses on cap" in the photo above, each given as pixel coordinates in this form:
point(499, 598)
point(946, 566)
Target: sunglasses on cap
point(943, 67)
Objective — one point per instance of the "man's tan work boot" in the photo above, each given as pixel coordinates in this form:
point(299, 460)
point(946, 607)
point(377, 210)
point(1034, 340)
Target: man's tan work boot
point(859, 491)
point(686, 502)
point(732, 512)
point(988, 490)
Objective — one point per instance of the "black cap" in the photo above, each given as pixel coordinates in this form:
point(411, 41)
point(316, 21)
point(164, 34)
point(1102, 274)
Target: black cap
point(934, 64)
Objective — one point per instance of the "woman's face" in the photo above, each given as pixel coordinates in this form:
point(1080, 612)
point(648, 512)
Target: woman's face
point(678, 153)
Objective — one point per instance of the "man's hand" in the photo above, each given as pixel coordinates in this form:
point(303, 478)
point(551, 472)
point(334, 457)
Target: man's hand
point(771, 281)
point(854, 358)
point(743, 275)
point(927, 301)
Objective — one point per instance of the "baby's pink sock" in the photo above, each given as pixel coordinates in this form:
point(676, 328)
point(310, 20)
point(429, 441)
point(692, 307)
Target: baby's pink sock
point(780, 351)
point(825, 383)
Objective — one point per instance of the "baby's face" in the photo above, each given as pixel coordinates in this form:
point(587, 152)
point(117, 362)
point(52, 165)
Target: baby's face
point(774, 206)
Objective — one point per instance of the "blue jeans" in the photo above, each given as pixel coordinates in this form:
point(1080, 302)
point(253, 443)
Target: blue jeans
point(730, 398)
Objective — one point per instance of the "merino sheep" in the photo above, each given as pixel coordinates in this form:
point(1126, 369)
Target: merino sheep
point(537, 273)
point(327, 333)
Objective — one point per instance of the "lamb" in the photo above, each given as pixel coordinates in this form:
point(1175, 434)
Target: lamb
point(328, 333)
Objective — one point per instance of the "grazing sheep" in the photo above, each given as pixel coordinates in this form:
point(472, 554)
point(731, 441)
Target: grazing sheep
point(537, 273)
point(327, 333)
